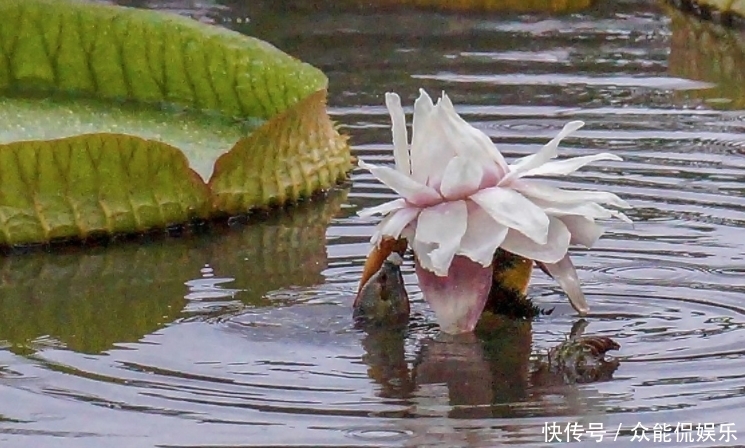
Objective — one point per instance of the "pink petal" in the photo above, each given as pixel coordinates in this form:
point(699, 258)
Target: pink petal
point(555, 248)
point(444, 225)
point(568, 166)
point(430, 149)
point(393, 224)
point(483, 236)
point(400, 134)
point(584, 231)
point(459, 298)
point(461, 178)
point(411, 190)
point(549, 151)
point(383, 209)
point(590, 210)
point(423, 108)
point(564, 273)
point(423, 251)
point(435, 153)
point(537, 190)
point(468, 141)
point(513, 210)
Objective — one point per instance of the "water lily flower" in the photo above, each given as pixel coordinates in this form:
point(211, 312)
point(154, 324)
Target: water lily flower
point(460, 201)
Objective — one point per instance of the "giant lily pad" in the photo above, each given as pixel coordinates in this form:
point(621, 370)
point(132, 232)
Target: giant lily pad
point(112, 120)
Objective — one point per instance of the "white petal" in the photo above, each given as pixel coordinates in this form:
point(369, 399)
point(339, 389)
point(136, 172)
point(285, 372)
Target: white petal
point(546, 153)
point(402, 184)
point(421, 134)
point(566, 276)
point(513, 210)
point(622, 217)
point(376, 238)
point(461, 178)
point(383, 209)
point(588, 210)
point(457, 299)
point(537, 190)
point(568, 166)
point(422, 252)
point(400, 134)
point(408, 232)
point(483, 236)
point(470, 142)
point(551, 252)
point(393, 224)
point(423, 108)
point(443, 224)
point(584, 231)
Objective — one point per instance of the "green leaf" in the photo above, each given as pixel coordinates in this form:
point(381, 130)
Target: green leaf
point(149, 57)
point(290, 157)
point(90, 185)
point(201, 137)
point(110, 116)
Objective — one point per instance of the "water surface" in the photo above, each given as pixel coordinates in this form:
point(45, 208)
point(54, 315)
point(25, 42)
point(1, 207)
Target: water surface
point(242, 337)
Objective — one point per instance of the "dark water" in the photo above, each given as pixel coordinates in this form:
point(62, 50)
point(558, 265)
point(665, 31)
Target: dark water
point(243, 338)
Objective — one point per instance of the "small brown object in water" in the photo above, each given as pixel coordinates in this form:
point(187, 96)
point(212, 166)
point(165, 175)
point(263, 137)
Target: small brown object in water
point(582, 359)
point(383, 298)
point(377, 257)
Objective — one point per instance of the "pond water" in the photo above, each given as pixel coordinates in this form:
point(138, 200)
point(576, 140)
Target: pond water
point(243, 337)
